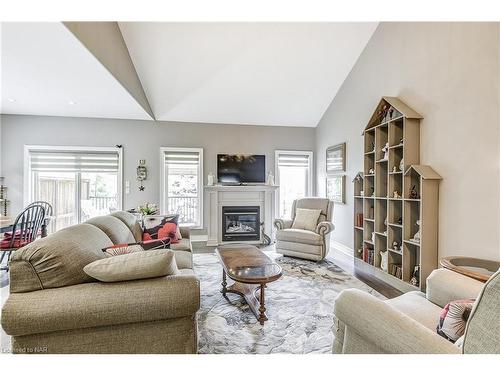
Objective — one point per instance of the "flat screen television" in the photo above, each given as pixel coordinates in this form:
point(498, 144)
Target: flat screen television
point(241, 169)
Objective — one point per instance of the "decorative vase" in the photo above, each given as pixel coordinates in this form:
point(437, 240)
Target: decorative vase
point(383, 260)
point(210, 179)
point(270, 179)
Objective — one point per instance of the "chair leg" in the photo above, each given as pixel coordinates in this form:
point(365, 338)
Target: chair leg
point(6, 267)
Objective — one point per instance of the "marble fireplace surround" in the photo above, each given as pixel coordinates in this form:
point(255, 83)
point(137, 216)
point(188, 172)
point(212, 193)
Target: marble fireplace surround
point(218, 196)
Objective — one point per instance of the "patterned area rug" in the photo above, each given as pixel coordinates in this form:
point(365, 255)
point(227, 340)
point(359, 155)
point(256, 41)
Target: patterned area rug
point(299, 307)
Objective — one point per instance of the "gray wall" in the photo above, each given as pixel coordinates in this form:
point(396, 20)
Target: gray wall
point(140, 140)
point(449, 73)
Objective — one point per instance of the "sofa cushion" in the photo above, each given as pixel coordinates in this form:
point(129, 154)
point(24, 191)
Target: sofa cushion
point(57, 260)
point(184, 260)
point(114, 228)
point(416, 306)
point(182, 245)
point(134, 266)
point(100, 304)
point(131, 222)
point(299, 235)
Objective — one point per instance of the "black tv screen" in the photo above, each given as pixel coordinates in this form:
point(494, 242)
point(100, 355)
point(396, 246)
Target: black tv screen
point(238, 169)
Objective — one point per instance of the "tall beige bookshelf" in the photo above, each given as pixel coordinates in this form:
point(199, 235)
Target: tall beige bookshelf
point(395, 200)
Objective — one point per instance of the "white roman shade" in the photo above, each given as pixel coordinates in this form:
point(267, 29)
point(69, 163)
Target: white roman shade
point(174, 158)
point(293, 160)
point(71, 161)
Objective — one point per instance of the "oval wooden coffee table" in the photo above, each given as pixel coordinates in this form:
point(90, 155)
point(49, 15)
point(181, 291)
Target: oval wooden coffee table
point(251, 270)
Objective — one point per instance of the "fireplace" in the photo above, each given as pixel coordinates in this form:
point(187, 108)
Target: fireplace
point(240, 223)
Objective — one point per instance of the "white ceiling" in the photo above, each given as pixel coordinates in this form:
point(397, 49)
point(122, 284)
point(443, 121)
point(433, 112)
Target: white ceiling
point(244, 73)
point(45, 68)
point(282, 74)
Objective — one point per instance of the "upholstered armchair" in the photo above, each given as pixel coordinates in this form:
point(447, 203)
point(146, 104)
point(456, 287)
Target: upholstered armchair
point(302, 243)
point(407, 324)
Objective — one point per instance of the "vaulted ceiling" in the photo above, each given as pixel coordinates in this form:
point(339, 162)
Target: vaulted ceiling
point(283, 74)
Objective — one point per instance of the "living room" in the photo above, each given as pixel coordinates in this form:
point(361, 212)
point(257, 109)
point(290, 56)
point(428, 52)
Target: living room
point(253, 188)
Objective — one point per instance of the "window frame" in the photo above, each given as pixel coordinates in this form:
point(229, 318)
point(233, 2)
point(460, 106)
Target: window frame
point(164, 182)
point(310, 179)
point(27, 188)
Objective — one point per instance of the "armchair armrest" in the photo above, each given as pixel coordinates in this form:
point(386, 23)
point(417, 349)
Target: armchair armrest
point(385, 327)
point(444, 286)
point(281, 224)
point(324, 227)
point(185, 232)
point(101, 304)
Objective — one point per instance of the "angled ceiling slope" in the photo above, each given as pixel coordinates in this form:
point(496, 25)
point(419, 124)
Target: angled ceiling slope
point(46, 70)
point(244, 73)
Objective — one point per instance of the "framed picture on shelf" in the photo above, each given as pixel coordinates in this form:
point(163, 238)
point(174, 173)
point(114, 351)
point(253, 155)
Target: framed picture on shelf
point(335, 158)
point(335, 188)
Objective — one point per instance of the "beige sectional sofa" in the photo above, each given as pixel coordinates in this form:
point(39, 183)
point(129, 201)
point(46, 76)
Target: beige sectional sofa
point(54, 307)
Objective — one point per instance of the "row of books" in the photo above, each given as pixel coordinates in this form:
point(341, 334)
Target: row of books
point(368, 255)
point(359, 220)
point(396, 270)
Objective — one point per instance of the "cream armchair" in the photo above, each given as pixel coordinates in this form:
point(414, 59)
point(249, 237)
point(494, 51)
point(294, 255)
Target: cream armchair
point(407, 324)
point(303, 243)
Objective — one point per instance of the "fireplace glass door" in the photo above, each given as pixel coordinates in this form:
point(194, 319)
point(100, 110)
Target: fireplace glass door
point(240, 223)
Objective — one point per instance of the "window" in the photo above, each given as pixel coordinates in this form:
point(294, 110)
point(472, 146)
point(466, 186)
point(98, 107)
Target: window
point(181, 184)
point(78, 182)
point(294, 177)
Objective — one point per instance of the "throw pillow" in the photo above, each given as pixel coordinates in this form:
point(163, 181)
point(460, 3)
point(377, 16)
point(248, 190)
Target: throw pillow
point(122, 249)
point(454, 318)
point(160, 226)
point(133, 266)
point(306, 219)
point(162, 243)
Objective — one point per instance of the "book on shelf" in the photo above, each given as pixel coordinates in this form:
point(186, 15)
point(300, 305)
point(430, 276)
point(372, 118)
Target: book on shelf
point(359, 220)
point(368, 255)
point(396, 270)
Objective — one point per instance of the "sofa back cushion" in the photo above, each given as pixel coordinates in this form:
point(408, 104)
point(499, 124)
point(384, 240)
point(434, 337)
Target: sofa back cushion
point(114, 228)
point(57, 260)
point(482, 334)
point(131, 222)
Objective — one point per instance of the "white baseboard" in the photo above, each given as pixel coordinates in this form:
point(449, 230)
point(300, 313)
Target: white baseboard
point(199, 238)
point(342, 248)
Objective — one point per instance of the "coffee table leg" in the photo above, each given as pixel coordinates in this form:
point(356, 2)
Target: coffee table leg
point(262, 308)
point(224, 283)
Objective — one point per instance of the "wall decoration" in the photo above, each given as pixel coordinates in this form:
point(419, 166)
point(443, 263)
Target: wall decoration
point(142, 173)
point(335, 158)
point(335, 188)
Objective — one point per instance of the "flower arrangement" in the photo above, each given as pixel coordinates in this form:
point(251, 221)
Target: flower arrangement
point(148, 208)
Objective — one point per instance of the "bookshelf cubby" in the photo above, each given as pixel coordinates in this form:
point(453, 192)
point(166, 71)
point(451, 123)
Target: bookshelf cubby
point(395, 198)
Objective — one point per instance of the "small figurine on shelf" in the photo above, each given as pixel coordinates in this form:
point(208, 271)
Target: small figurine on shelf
point(394, 169)
point(396, 194)
point(371, 171)
point(401, 141)
point(384, 260)
point(395, 245)
point(385, 150)
point(361, 193)
point(373, 147)
point(382, 112)
point(391, 113)
point(416, 237)
point(416, 276)
point(413, 193)
point(373, 192)
point(401, 165)
point(400, 221)
point(373, 236)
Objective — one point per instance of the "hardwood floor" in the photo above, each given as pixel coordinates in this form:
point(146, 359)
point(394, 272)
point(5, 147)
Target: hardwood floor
point(346, 262)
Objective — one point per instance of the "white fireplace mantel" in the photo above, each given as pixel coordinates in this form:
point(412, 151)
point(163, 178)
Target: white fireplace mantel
point(218, 196)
